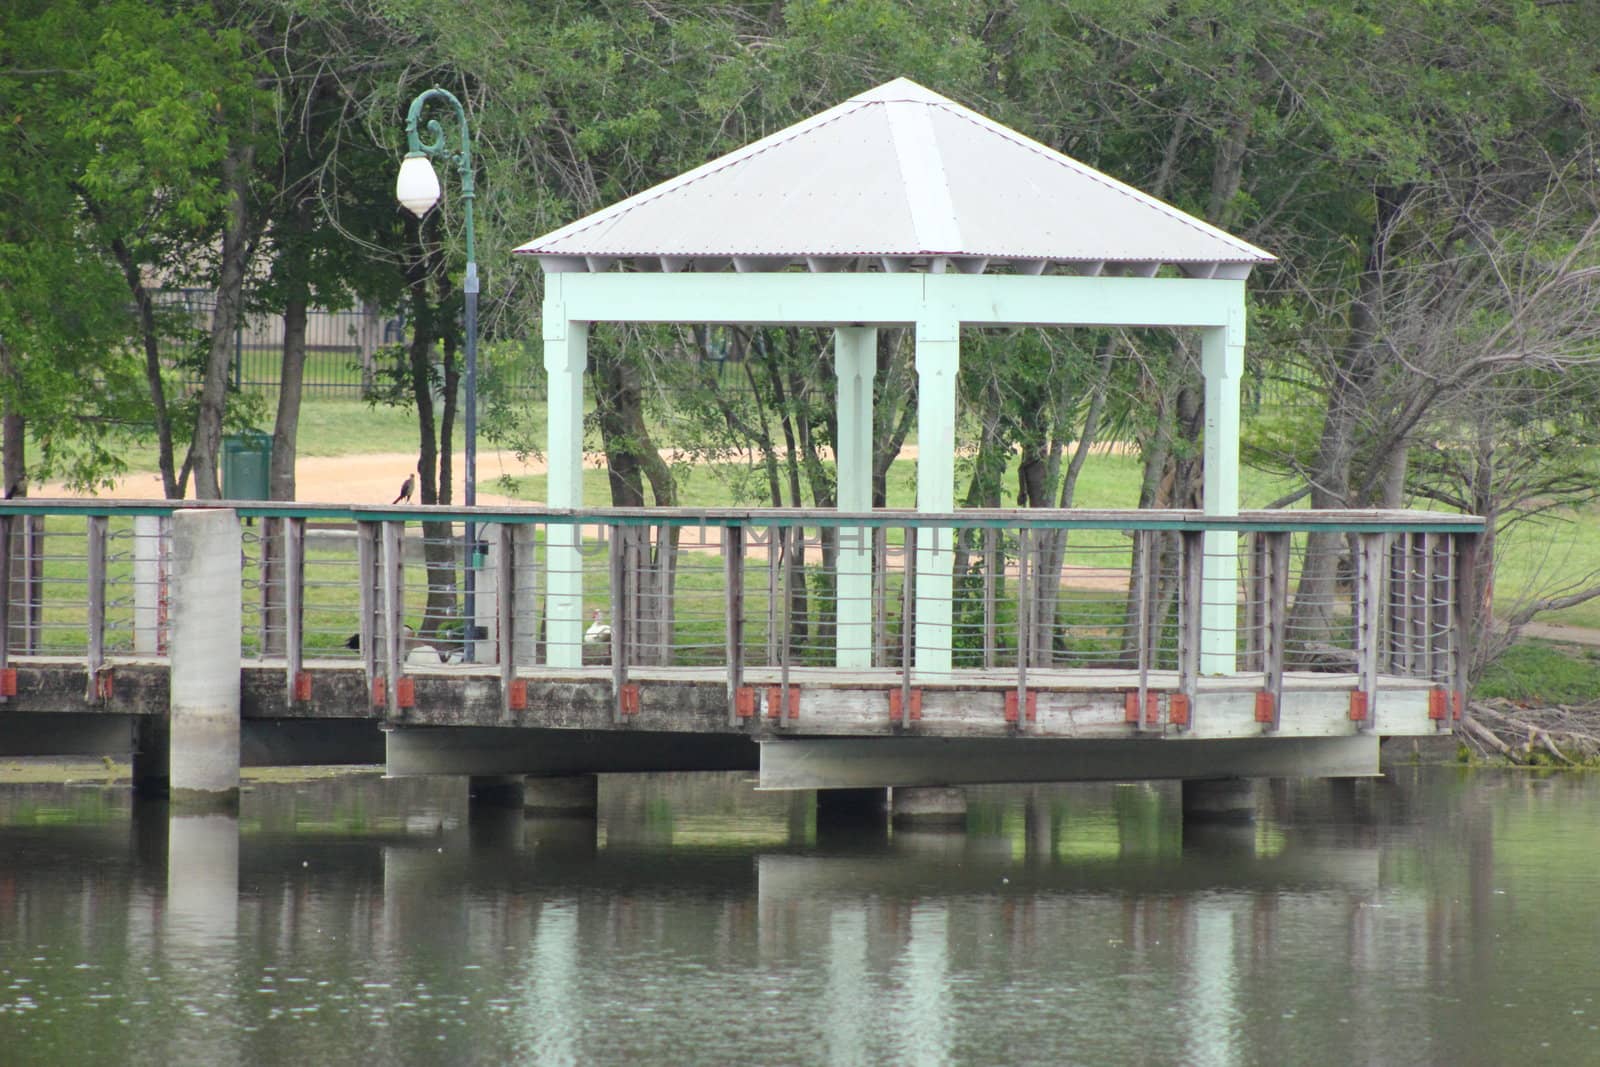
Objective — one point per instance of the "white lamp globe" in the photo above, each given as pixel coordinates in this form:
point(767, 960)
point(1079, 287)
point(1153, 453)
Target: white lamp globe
point(417, 187)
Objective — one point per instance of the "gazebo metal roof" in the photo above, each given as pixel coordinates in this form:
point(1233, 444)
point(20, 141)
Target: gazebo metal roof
point(897, 178)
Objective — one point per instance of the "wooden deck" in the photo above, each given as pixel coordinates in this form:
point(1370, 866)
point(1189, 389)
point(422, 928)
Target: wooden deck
point(1171, 712)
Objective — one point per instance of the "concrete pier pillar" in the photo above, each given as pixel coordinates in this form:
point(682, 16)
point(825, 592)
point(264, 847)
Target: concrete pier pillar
point(573, 796)
point(204, 629)
point(1219, 800)
point(929, 807)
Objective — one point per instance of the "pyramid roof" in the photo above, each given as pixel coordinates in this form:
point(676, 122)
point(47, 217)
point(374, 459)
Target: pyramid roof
point(896, 178)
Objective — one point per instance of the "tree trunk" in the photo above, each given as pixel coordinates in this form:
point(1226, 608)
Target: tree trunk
point(173, 486)
point(237, 244)
point(290, 382)
point(1350, 387)
point(632, 459)
point(894, 383)
point(13, 435)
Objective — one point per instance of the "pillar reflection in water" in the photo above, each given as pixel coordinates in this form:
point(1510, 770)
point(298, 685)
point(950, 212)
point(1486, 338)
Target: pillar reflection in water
point(1212, 1018)
point(850, 1006)
point(200, 931)
point(926, 1031)
point(202, 883)
point(551, 1016)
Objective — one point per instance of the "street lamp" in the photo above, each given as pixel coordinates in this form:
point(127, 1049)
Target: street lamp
point(417, 189)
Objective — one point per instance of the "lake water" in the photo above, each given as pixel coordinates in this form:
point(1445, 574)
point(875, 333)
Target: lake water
point(1439, 915)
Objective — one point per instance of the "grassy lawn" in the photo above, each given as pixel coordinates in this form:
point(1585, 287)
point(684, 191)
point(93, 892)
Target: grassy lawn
point(1564, 549)
point(1543, 672)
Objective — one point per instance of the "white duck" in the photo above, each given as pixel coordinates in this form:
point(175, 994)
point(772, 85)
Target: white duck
point(598, 632)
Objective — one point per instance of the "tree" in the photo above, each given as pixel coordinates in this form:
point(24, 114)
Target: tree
point(66, 379)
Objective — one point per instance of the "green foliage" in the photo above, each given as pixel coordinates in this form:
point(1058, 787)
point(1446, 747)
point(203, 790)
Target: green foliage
point(1542, 673)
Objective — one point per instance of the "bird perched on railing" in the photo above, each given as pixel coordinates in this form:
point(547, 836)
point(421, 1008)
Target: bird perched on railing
point(598, 632)
point(406, 488)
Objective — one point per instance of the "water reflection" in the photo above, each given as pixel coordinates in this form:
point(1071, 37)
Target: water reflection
point(1413, 919)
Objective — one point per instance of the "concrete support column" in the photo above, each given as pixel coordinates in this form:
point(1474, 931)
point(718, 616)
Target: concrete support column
point(1222, 361)
point(928, 807)
point(204, 629)
point(938, 362)
point(566, 355)
point(1219, 800)
point(855, 360)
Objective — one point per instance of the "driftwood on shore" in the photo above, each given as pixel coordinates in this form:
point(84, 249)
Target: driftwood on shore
point(1564, 734)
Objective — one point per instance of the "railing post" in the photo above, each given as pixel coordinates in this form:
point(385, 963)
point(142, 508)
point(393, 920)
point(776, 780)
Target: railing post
point(774, 540)
point(505, 590)
point(1369, 621)
point(1024, 622)
point(1464, 617)
point(622, 621)
point(908, 618)
point(294, 601)
point(95, 550)
point(1192, 614)
point(367, 564)
point(392, 563)
point(991, 632)
point(1276, 589)
point(733, 613)
point(1143, 540)
point(880, 595)
point(787, 537)
point(5, 594)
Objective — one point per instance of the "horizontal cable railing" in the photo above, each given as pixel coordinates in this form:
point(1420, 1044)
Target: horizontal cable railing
point(990, 595)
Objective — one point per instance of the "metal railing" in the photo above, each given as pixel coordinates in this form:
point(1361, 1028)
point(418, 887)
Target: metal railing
point(991, 597)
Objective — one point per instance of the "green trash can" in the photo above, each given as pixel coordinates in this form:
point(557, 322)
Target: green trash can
point(247, 465)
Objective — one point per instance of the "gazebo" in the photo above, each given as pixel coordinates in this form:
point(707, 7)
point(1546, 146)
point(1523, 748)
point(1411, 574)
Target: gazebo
point(898, 207)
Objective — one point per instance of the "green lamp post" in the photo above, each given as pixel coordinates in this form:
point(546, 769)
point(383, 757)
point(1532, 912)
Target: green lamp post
point(417, 189)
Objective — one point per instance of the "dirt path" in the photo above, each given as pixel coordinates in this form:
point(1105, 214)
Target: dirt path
point(368, 478)
point(363, 478)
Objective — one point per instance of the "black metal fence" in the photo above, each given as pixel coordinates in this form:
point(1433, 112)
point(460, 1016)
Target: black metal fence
point(342, 346)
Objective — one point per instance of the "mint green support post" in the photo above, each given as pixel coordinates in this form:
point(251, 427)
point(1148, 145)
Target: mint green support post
point(1222, 362)
point(938, 361)
point(855, 361)
point(566, 354)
